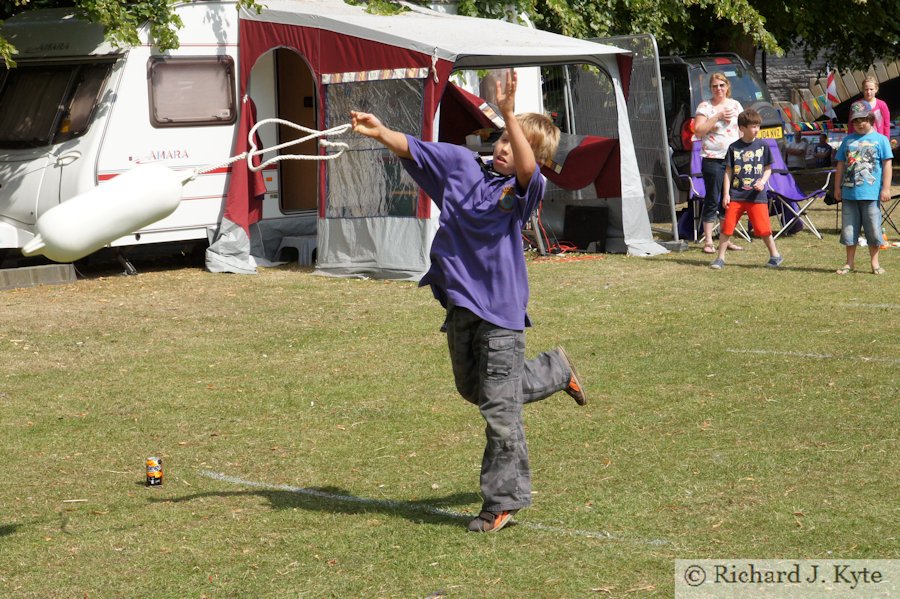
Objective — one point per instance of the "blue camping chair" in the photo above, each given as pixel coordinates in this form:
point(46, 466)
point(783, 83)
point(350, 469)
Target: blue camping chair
point(689, 225)
point(787, 200)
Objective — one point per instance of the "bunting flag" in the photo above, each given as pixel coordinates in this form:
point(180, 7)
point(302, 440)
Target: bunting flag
point(815, 105)
point(823, 126)
point(807, 110)
point(831, 97)
point(788, 113)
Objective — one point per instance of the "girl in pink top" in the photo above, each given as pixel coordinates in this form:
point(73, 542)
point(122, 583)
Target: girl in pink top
point(878, 107)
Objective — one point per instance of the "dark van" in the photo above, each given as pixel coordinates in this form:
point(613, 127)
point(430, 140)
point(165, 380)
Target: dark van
point(685, 83)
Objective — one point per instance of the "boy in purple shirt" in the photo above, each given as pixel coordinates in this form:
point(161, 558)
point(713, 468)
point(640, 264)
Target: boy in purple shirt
point(478, 274)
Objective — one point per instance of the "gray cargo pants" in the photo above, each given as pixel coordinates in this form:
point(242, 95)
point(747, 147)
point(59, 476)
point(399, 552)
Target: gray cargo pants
point(491, 372)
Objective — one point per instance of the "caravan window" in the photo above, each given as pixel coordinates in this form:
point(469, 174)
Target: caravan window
point(81, 109)
point(191, 91)
point(41, 105)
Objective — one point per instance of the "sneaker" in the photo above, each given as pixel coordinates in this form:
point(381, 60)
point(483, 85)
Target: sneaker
point(575, 389)
point(717, 264)
point(491, 521)
point(775, 261)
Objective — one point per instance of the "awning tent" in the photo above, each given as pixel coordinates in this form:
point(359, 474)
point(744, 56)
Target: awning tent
point(371, 219)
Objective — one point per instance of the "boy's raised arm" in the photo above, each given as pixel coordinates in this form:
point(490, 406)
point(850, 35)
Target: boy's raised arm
point(369, 125)
point(521, 149)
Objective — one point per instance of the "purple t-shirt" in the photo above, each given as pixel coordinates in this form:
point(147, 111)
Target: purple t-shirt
point(477, 260)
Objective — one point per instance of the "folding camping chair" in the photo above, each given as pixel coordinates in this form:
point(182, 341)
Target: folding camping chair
point(786, 198)
point(887, 211)
point(696, 189)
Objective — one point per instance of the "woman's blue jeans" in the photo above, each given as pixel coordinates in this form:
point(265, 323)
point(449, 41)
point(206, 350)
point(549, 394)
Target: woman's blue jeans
point(713, 171)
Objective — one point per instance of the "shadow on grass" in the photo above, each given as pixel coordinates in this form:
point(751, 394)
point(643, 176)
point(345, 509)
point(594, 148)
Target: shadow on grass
point(787, 266)
point(8, 529)
point(336, 500)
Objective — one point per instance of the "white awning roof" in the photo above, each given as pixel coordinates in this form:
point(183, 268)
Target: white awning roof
point(465, 41)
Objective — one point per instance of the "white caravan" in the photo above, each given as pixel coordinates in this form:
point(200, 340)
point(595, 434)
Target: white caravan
point(77, 112)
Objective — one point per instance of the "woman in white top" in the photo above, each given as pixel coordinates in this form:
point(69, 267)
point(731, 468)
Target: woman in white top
point(715, 124)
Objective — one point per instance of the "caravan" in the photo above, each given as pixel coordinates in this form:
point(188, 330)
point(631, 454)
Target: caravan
point(77, 112)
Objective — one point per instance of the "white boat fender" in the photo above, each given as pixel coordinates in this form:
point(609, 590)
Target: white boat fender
point(94, 219)
point(140, 197)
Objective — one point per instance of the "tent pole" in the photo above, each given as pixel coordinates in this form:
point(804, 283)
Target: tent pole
point(535, 226)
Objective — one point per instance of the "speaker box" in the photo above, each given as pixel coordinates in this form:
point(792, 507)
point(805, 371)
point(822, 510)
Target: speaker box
point(584, 225)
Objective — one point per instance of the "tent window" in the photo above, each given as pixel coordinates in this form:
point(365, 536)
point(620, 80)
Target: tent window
point(368, 180)
point(191, 91)
point(581, 99)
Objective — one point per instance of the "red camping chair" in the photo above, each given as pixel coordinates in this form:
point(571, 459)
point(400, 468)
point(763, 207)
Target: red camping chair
point(787, 199)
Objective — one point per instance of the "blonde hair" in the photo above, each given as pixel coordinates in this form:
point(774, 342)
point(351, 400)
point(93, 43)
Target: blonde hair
point(541, 133)
point(872, 80)
point(721, 77)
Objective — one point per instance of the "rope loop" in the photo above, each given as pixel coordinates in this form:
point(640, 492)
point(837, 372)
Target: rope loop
point(255, 151)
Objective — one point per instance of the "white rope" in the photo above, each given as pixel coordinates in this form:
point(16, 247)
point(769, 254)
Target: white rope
point(255, 151)
point(434, 60)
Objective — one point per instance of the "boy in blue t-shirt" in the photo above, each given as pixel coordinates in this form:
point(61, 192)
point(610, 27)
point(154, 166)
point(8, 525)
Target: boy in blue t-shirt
point(862, 180)
point(748, 166)
point(478, 274)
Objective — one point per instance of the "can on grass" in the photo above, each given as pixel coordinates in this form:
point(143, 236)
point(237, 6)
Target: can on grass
point(154, 471)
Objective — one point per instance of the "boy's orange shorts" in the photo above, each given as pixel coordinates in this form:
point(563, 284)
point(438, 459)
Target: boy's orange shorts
point(757, 213)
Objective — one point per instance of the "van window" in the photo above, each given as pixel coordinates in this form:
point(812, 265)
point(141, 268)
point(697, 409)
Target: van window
point(192, 91)
point(41, 104)
point(746, 88)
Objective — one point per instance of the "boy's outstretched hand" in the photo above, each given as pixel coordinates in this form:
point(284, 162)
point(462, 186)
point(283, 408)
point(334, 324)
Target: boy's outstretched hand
point(368, 125)
point(365, 123)
point(506, 99)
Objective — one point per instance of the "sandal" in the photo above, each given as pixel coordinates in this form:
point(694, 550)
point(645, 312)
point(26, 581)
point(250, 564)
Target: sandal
point(878, 271)
point(844, 269)
point(734, 247)
point(708, 248)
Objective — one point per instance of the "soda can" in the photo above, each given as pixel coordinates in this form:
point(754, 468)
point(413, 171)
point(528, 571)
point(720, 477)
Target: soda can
point(154, 471)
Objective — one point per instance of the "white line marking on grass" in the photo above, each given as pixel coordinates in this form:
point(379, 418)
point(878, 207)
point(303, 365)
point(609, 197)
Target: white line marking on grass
point(796, 354)
point(410, 507)
point(876, 306)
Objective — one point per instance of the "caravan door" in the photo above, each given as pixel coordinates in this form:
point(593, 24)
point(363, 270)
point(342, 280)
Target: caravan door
point(25, 189)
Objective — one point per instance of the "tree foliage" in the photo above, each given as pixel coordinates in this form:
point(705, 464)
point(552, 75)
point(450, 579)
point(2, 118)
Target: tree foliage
point(121, 19)
point(846, 33)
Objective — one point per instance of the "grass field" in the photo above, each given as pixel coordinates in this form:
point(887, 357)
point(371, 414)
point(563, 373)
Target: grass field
point(314, 445)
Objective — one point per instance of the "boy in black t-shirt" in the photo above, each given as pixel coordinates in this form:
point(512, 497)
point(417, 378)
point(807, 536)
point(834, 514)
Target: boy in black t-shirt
point(748, 166)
